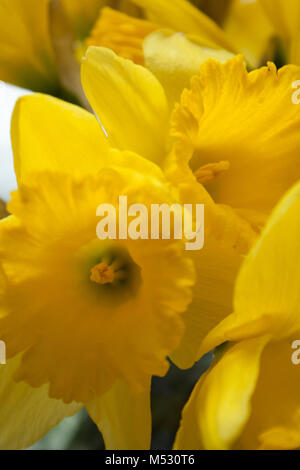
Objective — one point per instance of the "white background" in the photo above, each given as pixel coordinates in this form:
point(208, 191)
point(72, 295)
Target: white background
point(8, 97)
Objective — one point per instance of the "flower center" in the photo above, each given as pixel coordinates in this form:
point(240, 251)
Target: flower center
point(108, 272)
point(210, 172)
point(102, 274)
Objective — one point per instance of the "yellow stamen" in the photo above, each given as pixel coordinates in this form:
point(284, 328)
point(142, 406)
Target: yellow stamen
point(207, 173)
point(122, 33)
point(102, 274)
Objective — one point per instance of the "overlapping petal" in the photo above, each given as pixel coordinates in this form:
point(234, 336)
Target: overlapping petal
point(27, 413)
point(267, 293)
point(129, 102)
point(181, 15)
point(38, 119)
point(174, 59)
point(250, 397)
point(26, 54)
point(123, 417)
point(219, 405)
point(82, 15)
point(251, 31)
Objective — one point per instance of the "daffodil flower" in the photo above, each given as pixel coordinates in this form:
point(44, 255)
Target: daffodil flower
point(231, 143)
point(264, 28)
point(35, 34)
point(261, 30)
point(124, 34)
point(26, 53)
point(250, 398)
point(41, 40)
point(86, 322)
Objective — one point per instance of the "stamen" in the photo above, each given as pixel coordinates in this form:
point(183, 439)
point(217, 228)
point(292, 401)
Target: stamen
point(208, 173)
point(108, 272)
point(102, 274)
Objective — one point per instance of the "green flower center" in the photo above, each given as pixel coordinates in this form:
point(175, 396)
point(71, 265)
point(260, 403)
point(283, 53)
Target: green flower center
point(108, 272)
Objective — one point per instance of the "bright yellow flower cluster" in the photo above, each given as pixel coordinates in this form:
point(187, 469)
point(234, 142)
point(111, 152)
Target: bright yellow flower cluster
point(174, 116)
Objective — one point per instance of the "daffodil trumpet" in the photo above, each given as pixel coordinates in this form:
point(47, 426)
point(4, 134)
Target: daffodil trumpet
point(108, 312)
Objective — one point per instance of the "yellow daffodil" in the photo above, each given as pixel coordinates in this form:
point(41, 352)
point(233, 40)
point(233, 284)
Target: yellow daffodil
point(233, 144)
point(86, 322)
point(33, 33)
point(40, 41)
point(26, 53)
point(125, 34)
point(260, 29)
point(265, 28)
point(250, 398)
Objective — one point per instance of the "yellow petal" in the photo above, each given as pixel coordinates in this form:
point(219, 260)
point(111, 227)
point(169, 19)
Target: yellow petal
point(63, 46)
point(228, 237)
point(295, 49)
point(48, 133)
point(268, 282)
point(27, 413)
point(220, 404)
point(248, 120)
point(123, 418)
point(208, 308)
point(174, 59)
point(48, 143)
point(188, 435)
point(128, 100)
point(82, 14)
point(121, 33)
point(285, 17)
point(26, 55)
point(267, 290)
point(284, 14)
point(180, 15)
point(275, 417)
point(251, 31)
